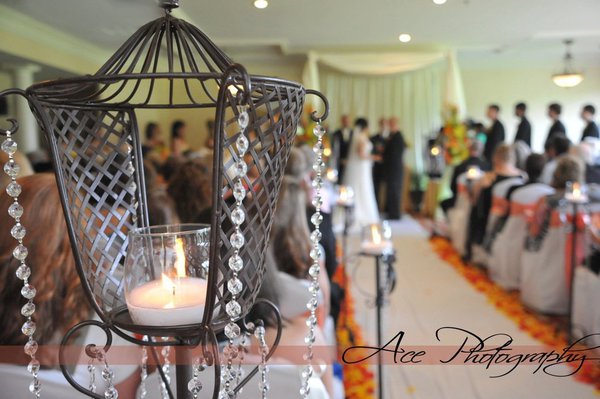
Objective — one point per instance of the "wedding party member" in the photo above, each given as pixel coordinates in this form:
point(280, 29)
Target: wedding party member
point(524, 128)
point(179, 145)
point(558, 146)
point(60, 300)
point(379, 141)
point(393, 163)
point(359, 175)
point(557, 128)
point(475, 159)
point(591, 129)
point(495, 134)
point(341, 145)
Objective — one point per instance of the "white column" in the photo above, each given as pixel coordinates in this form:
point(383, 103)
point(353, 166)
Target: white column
point(28, 135)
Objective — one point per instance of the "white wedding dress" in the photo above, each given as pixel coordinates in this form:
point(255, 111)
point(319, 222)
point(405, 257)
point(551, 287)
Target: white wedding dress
point(359, 176)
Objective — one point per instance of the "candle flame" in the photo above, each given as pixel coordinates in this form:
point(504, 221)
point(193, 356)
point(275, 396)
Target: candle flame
point(169, 286)
point(376, 235)
point(180, 258)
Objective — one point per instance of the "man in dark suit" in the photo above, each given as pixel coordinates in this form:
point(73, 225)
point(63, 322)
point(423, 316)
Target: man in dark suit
point(393, 164)
point(341, 145)
point(524, 128)
point(495, 134)
point(379, 142)
point(591, 129)
point(557, 128)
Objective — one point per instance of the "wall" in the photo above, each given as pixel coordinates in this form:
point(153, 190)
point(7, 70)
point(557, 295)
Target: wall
point(534, 86)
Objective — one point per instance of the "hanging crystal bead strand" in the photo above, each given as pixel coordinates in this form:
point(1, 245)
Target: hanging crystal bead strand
point(144, 373)
point(315, 255)
point(236, 263)
point(110, 392)
point(166, 367)
point(195, 385)
point(15, 211)
point(263, 385)
point(92, 372)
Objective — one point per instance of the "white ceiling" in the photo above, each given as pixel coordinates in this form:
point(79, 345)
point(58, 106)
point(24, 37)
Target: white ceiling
point(485, 32)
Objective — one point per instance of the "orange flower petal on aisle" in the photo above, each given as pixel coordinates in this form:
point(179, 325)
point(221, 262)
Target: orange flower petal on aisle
point(537, 326)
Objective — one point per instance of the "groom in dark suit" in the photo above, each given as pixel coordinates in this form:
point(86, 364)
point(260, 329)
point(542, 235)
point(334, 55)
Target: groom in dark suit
point(341, 145)
point(524, 129)
point(379, 142)
point(393, 165)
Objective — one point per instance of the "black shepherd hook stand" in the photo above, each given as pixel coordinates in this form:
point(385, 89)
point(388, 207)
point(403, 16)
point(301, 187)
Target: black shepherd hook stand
point(386, 258)
point(577, 205)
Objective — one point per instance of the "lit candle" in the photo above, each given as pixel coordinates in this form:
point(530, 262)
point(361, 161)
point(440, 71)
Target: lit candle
point(374, 244)
point(473, 173)
point(345, 196)
point(576, 193)
point(170, 301)
point(332, 175)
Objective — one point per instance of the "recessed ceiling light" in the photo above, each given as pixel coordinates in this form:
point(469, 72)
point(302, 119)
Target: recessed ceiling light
point(261, 4)
point(405, 38)
point(439, 2)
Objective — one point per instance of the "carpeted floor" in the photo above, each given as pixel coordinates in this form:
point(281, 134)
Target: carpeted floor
point(430, 295)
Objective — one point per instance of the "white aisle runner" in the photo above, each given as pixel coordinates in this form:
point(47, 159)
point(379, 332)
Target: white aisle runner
point(429, 294)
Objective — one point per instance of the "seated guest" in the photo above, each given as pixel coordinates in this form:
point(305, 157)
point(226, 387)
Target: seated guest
point(591, 129)
point(557, 128)
point(504, 168)
point(154, 148)
point(556, 147)
point(179, 145)
point(522, 151)
point(161, 209)
point(60, 300)
point(584, 153)
point(475, 159)
point(190, 187)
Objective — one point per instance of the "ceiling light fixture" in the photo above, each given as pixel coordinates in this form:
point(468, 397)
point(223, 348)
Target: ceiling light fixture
point(439, 2)
point(261, 4)
point(568, 77)
point(405, 38)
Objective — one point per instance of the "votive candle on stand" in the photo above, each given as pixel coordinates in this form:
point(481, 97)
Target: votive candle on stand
point(345, 196)
point(576, 193)
point(374, 241)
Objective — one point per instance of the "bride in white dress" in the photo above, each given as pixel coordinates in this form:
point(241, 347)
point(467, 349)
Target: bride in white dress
point(359, 176)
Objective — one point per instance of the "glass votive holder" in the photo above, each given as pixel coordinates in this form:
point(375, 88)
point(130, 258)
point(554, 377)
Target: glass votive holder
point(345, 196)
point(376, 239)
point(576, 193)
point(166, 273)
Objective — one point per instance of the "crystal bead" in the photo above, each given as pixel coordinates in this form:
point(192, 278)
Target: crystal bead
point(238, 216)
point(241, 169)
point(239, 191)
point(316, 236)
point(319, 131)
point(18, 231)
point(242, 144)
point(195, 386)
point(315, 253)
point(28, 309)
point(314, 271)
point(317, 202)
point(130, 169)
point(107, 374)
point(237, 240)
point(232, 330)
point(243, 119)
point(13, 189)
point(28, 328)
point(235, 286)
point(28, 291)
point(20, 252)
point(111, 393)
point(319, 166)
point(314, 288)
point(233, 309)
point(34, 366)
point(310, 338)
point(30, 348)
point(231, 352)
point(307, 372)
point(311, 321)
point(15, 210)
point(263, 386)
point(9, 146)
point(11, 168)
point(317, 183)
point(23, 272)
point(259, 332)
point(318, 147)
point(305, 391)
point(316, 218)
point(236, 263)
point(35, 386)
point(312, 304)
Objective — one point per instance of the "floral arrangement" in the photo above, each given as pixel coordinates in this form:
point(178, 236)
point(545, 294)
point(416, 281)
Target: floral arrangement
point(455, 137)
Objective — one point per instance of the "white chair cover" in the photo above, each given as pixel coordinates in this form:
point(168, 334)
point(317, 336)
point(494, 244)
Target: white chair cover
point(543, 282)
point(499, 191)
point(458, 216)
point(505, 259)
point(586, 313)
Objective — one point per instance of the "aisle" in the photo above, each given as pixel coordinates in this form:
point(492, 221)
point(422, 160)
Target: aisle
point(429, 295)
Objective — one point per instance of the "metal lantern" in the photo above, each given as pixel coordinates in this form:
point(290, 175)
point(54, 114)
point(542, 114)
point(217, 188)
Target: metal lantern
point(91, 126)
